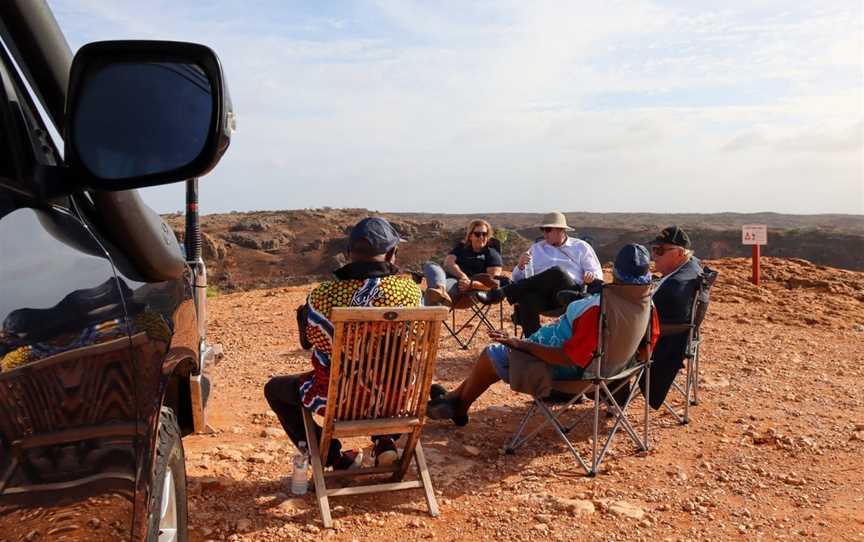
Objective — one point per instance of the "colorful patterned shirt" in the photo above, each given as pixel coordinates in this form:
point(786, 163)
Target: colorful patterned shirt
point(377, 289)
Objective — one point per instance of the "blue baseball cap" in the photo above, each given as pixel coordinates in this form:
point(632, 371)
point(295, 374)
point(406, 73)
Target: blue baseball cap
point(632, 265)
point(376, 231)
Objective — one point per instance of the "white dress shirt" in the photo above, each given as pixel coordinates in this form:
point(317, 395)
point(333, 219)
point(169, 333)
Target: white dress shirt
point(575, 256)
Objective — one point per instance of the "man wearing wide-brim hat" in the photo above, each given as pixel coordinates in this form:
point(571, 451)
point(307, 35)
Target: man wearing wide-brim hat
point(554, 263)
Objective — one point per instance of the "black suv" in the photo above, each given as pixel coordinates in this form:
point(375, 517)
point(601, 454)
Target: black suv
point(102, 344)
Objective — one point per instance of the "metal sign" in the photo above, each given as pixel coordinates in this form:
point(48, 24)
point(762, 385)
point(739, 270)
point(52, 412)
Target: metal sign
point(754, 234)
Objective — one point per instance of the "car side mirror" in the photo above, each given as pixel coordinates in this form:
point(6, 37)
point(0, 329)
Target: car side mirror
point(144, 113)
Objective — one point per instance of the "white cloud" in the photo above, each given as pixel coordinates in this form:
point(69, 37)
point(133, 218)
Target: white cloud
point(592, 105)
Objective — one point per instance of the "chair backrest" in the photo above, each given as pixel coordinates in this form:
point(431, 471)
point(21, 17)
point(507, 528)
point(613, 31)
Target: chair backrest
point(382, 363)
point(625, 314)
point(703, 296)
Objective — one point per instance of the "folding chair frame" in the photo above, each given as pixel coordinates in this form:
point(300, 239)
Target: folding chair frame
point(354, 366)
point(690, 389)
point(597, 385)
point(480, 313)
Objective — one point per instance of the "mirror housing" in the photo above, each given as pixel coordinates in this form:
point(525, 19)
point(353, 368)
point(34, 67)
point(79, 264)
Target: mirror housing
point(145, 113)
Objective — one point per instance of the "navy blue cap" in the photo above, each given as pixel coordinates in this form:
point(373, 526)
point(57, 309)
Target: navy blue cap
point(632, 265)
point(377, 232)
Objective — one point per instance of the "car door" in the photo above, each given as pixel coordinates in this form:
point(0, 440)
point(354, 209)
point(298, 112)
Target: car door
point(69, 419)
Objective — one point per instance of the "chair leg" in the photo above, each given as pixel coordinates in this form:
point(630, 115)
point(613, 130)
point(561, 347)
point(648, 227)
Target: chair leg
point(515, 442)
point(559, 429)
point(688, 388)
point(595, 438)
point(423, 472)
point(647, 373)
point(696, 375)
point(317, 471)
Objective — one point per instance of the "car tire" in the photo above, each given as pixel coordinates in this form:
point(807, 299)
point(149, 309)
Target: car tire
point(167, 519)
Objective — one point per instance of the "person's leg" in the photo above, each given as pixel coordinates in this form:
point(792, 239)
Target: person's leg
point(482, 376)
point(437, 285)
point(452, 287)
point(542, 286)
point(434, 273)
point(530, 308)
point(545, 285)
point(283, 396)
point(491, 366)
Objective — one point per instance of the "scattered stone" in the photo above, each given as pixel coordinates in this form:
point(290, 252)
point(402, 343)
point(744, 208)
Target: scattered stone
point(626, 509)
point(261, 458)
point(230, 455)
point(471, 450)
point(272, 432)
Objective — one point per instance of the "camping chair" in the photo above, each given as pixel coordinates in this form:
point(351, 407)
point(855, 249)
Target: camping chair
point(479, 314)
point(625, 324)
point(381, 370)
point(699, 309)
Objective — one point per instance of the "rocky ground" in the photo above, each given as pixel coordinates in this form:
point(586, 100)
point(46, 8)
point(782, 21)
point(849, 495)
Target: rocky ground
point(774, 450)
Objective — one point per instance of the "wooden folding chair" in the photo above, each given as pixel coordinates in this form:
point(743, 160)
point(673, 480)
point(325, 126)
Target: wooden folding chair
point(381, 370)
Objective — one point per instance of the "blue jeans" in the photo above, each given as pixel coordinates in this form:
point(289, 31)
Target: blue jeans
point(435, 277)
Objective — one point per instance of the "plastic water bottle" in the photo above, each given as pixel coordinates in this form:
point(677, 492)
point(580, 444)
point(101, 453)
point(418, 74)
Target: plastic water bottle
point(529, 267)
point(300, 476)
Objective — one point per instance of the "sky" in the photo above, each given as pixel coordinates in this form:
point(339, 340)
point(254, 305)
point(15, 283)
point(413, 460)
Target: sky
point(509, 106)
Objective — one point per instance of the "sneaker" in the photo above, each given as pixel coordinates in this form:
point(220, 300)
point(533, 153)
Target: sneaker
point(434, 297)
point(348, 460)
point(385, 452)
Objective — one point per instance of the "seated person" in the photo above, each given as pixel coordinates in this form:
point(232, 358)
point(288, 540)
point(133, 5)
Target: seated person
point(371, 279)
point(469, 258)
point(567, 345)
point(559, 262)
point(673, 297)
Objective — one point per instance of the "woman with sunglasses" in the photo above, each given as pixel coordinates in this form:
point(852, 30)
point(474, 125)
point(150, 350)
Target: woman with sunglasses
point(471, 257)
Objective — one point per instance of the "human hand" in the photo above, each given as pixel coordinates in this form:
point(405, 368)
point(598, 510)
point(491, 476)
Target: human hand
point(504, 338)
point(588, 278)
point(524, 258)
point(464, 284)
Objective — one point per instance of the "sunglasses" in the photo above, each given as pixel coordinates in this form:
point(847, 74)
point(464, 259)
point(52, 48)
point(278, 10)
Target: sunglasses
point(659, 251)
point(480, 233)
point(547, 230)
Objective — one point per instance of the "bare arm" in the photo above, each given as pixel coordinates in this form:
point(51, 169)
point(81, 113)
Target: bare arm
point(452, 267)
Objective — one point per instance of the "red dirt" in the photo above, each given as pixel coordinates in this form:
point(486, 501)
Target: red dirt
point(773, 451)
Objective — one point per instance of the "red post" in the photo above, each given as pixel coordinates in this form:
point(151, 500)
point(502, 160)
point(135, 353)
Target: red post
point(756, 264)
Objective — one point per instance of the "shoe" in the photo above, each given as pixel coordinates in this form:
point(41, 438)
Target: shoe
point(349, 460)
point(487, 280)
point(385, 452)
point(442, 408)
point(436, 391)
point(434, 297)
point(493, 296)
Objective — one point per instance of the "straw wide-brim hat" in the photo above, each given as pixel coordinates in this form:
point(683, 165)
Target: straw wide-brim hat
point(554, 220)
